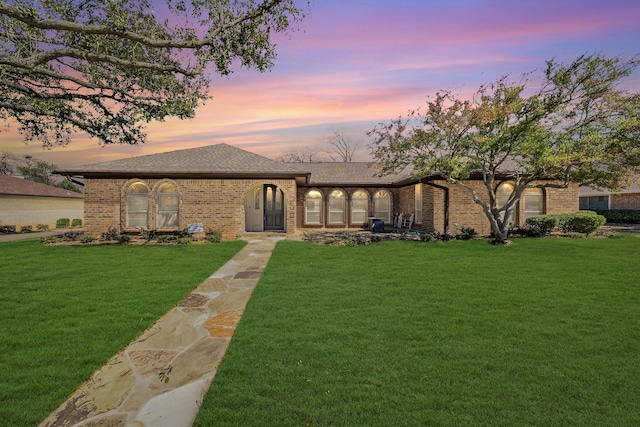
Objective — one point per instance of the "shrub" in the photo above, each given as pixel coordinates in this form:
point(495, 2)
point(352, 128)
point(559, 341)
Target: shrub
point(111, 234)
point(466, 233)
point(71, 236)
point(50, 240)
point(26, 229)
point(86, 238)
point(624, 216)
point(165, 238)
point(147, 235)
point(42, 227)
point(540, 225)
point(123, 238)
point(63, 223)
point(183, 240)
point(8, 229)
point(582, 222)
point(213, 236)
point(77, 222)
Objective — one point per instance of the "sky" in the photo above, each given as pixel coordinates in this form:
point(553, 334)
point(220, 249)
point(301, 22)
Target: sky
point(355, 63)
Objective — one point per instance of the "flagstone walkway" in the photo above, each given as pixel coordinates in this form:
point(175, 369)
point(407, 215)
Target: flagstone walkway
point(160, 379)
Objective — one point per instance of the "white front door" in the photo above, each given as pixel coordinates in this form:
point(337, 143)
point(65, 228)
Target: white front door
point(254, 210)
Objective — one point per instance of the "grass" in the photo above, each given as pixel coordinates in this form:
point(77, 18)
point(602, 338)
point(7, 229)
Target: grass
point(66, 310)
point(545, 332)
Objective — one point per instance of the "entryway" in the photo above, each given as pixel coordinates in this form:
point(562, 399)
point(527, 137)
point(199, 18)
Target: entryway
point(264, 208)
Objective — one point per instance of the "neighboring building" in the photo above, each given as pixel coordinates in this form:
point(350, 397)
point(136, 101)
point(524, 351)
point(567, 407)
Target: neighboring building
point(629, 198)
point(234, 191)
point(27, 203)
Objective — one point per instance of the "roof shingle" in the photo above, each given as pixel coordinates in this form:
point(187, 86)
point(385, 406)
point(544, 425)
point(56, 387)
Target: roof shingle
point(212, 159)
point(13, 186)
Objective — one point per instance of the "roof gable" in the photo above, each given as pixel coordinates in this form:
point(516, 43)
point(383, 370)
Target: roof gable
point(13, 186)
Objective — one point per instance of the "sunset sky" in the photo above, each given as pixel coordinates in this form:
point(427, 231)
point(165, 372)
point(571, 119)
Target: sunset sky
point(354, 63)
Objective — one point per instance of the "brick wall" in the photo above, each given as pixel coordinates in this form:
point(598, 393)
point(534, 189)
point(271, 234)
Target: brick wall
point(219, 204)
point(463, 212)
point(30, 210)
point(625, 201)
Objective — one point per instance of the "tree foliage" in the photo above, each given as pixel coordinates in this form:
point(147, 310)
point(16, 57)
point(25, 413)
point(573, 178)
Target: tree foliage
point(39, 172)
point(106, 68)
point(570, 123)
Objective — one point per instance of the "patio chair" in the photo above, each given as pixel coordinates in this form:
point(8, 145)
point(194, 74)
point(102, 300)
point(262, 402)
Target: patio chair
point(403, 222)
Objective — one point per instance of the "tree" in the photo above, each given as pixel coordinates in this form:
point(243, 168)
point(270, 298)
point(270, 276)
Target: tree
point(68, 185)
point(343, 148)
point(576, 126)
point(5, 166)
point(39, 172)
point(306, 156)
point(106, 68)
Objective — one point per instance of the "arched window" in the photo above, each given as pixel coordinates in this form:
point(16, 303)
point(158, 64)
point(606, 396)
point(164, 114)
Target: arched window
point(359, 207)
point(382, 205)
point(137, 206)
point(503, 193)
point(167, 206)
point(336, 207)
point(313, 207)
point(533, 202)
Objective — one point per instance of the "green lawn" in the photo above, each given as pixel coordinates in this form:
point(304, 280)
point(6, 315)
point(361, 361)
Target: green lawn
point(545, 332)
point(66, 310)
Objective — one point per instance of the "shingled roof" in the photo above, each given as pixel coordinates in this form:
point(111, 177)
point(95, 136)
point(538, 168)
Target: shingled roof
point(350, 174)
point(212, 160)
point(13, 186)
point(225, 161)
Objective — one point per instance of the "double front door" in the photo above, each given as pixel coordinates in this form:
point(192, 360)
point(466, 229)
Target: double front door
point(265, 208)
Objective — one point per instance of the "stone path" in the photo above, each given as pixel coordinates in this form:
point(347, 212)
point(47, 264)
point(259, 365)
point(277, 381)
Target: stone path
point(160, 379)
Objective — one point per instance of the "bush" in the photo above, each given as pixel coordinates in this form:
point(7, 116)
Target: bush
point(42, 227)
point(165, 238)
point(86, 238)
point(213, 236)
point(63, 223)
point(8, 229)
point(71, 236)
point(623, 216)
point(50, 240)
point(183, 240)
point(123, 238)
point(77, 222)
point(540, 225)
point(582, 222)
point(466, 233)
point(111, 234)
point(26, 229)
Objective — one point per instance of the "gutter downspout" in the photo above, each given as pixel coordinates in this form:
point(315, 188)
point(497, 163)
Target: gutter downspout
point(446, 203)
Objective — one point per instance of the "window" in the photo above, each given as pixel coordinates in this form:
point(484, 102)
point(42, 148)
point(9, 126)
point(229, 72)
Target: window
point(382, 205)
point(168, 202)
point(594, 202)
point(533, 202)
point(359, 207)
point(418, 203)
point(503, 193)
point(313, 207)
point(336, 207)
point(137, 205)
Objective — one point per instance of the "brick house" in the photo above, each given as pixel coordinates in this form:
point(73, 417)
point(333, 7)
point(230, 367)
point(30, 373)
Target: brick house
point(236, 192)
point(25, 203)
